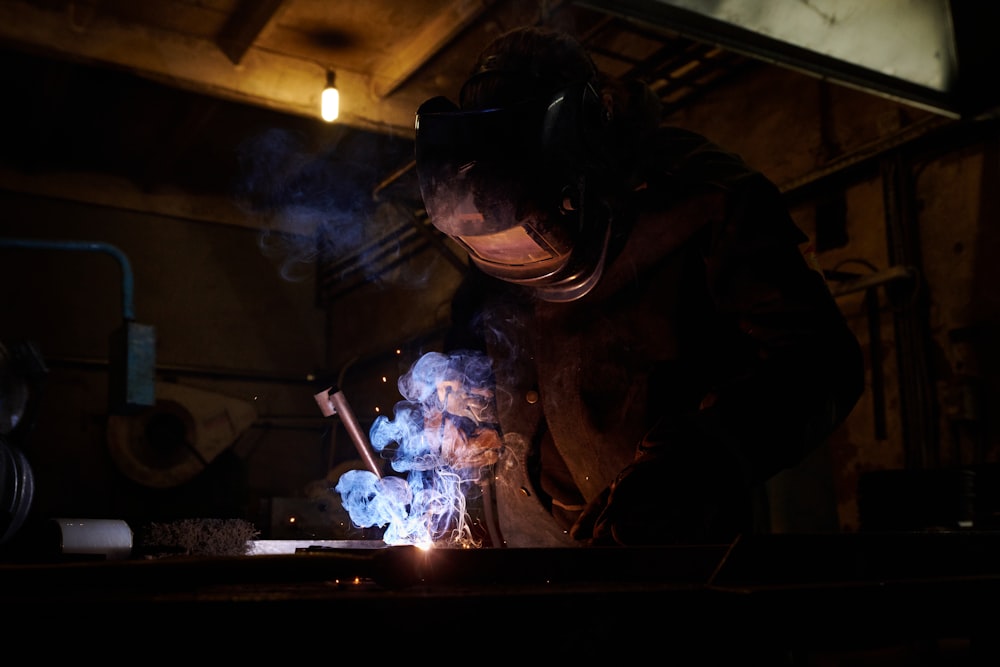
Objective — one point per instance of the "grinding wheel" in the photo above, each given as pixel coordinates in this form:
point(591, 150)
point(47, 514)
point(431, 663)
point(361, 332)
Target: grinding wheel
point(174, 440)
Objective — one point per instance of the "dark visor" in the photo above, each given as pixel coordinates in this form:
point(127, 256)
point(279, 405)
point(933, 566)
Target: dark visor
point(483, 182)
point(475, 167)
point(498, 182)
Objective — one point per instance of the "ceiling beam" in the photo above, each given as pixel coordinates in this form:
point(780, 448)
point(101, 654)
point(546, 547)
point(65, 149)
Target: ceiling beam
point(245, 25)
point(433, 36)
point(274, 81)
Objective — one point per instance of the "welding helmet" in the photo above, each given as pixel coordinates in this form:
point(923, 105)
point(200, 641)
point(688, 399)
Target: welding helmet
point(518, 187)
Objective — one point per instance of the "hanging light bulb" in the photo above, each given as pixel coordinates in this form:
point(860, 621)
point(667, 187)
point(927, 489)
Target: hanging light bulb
point(330, 100)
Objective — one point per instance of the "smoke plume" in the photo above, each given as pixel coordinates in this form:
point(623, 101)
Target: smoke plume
point(441, 438)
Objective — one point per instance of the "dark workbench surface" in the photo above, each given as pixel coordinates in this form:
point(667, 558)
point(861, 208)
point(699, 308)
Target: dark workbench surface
point(788, 591)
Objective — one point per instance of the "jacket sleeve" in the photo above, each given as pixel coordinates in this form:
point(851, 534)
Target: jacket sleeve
point(804, 371)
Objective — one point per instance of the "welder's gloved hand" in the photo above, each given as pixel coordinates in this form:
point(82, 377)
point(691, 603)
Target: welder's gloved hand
point(670, 495)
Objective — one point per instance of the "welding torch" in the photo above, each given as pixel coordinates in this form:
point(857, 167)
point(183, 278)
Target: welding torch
point(333, 402)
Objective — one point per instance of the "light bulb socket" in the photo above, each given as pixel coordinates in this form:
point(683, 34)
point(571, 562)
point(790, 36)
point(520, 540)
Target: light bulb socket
point(331, 79)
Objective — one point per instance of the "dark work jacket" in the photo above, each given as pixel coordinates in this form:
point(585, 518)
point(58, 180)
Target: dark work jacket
point(708, 332)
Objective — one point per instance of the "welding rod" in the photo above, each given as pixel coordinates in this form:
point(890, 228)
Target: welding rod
point(334, 402)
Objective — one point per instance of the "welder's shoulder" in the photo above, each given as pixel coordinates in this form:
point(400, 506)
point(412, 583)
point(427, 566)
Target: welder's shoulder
point(701, 177)
point(688, 157)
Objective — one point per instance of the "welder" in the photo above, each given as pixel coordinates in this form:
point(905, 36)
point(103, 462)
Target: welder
point(661, 347)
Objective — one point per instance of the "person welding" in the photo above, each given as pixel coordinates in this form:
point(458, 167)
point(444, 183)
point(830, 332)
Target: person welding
point(660, 346)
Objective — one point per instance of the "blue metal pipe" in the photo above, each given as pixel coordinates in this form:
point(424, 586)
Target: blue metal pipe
point(128, 312)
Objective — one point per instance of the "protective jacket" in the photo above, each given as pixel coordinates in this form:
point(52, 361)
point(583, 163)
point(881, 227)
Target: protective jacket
point(710, 343)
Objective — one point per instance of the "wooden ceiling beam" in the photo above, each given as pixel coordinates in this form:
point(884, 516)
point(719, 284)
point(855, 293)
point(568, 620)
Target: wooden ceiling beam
point(248, 21)
point(431, 39)
point(283, 83)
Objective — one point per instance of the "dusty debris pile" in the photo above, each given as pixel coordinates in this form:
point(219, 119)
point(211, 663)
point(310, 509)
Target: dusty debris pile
point(198, 537)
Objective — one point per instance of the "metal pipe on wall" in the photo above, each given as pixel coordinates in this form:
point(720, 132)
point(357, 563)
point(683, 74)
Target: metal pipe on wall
point(132, 346)
point(128, 310)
